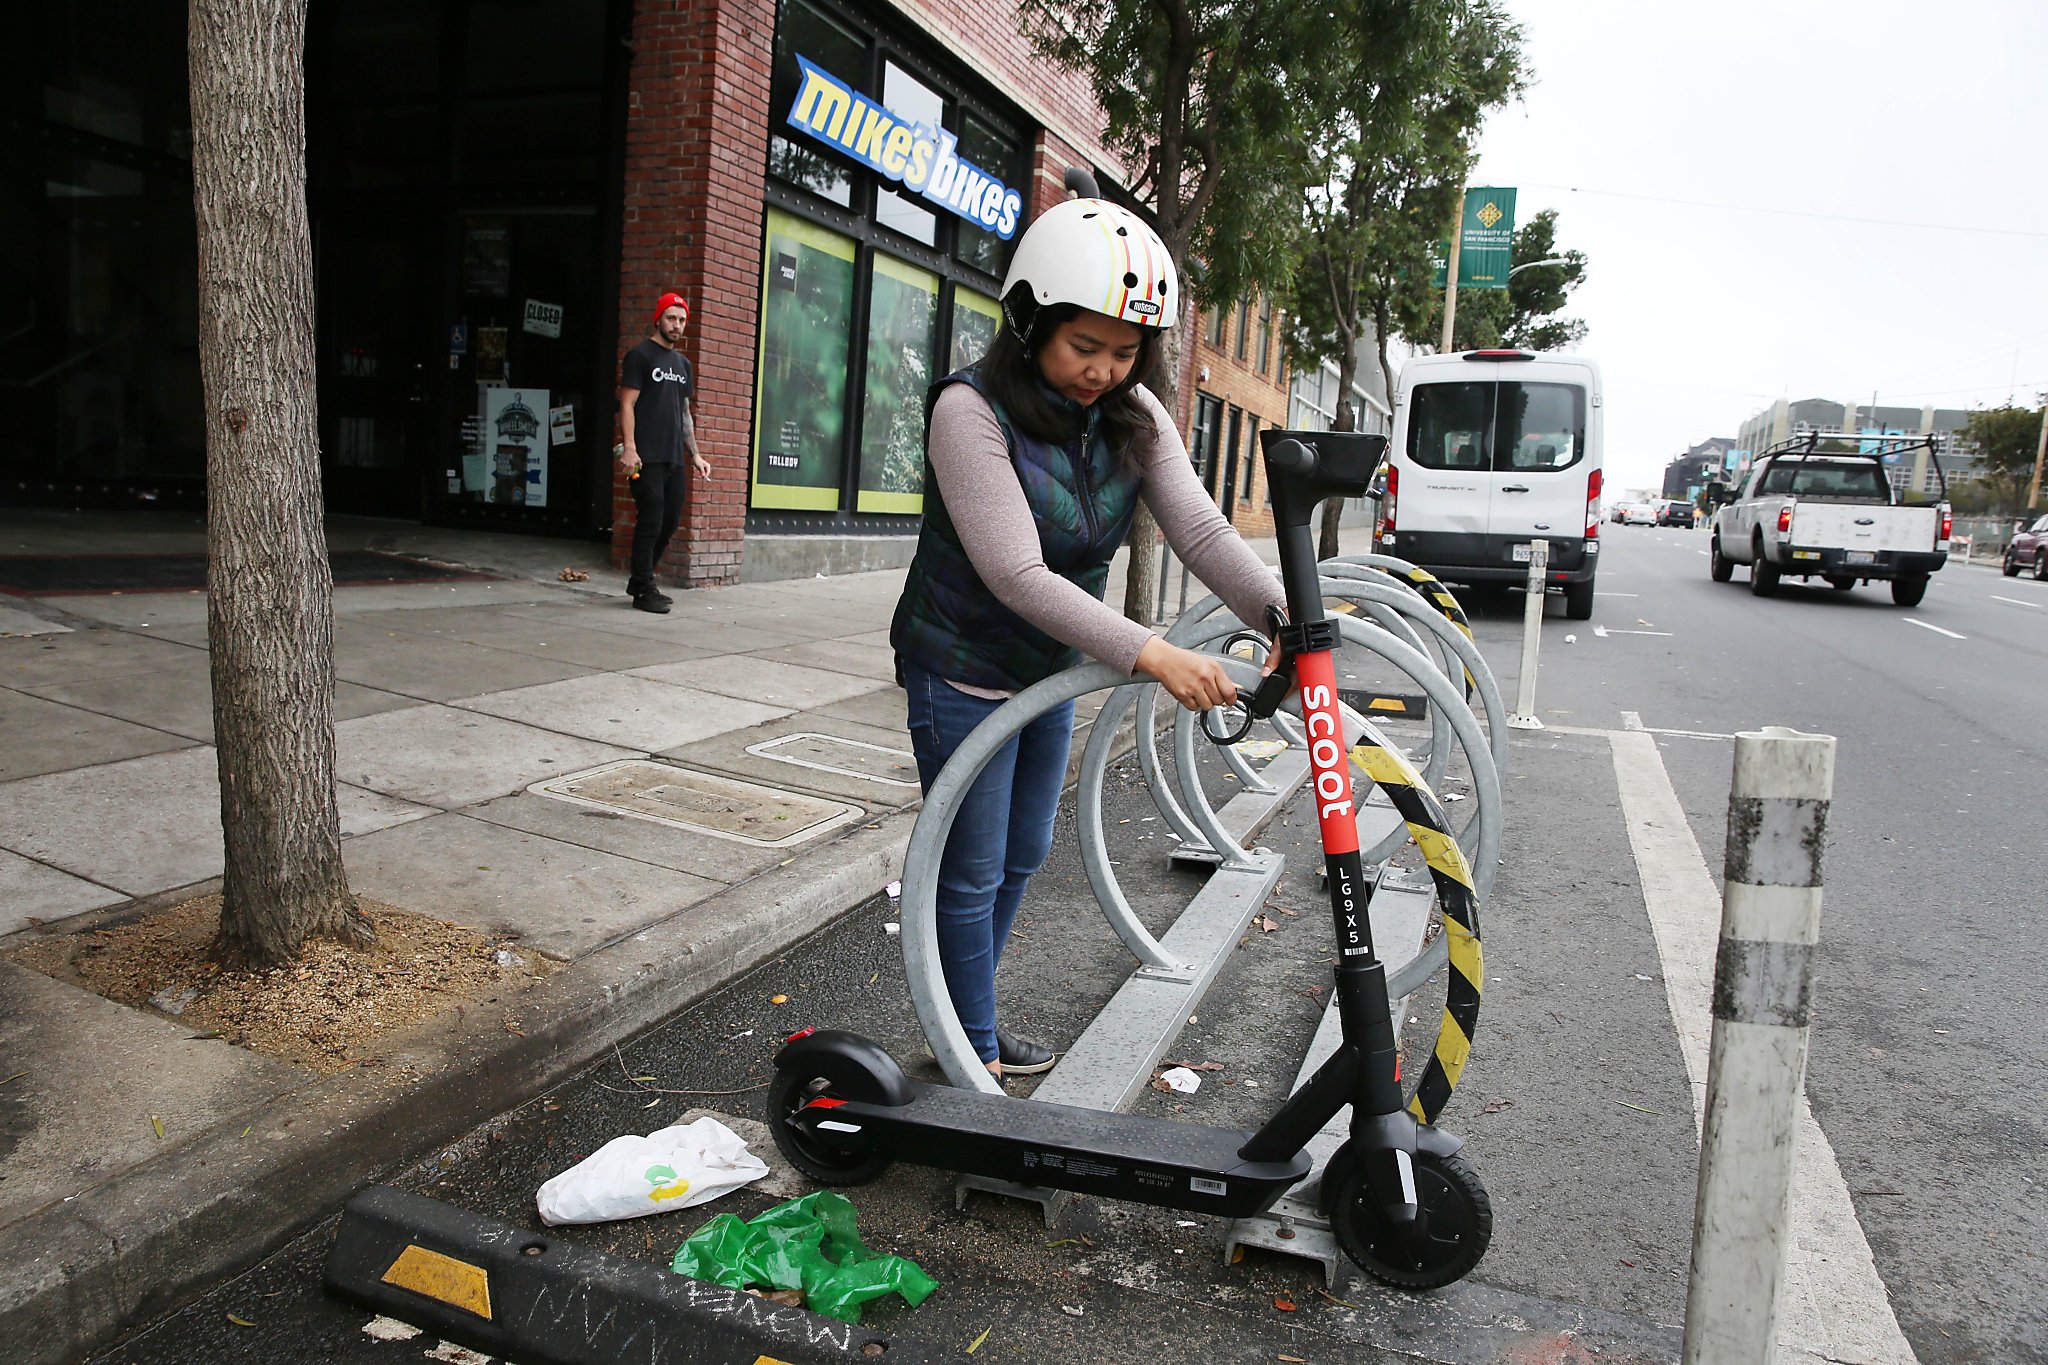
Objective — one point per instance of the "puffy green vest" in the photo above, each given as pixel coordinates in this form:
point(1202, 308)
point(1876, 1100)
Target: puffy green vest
point(1083, 499)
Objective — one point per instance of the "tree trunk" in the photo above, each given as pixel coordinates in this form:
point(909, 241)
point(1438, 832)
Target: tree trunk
point(1346, 420)
point(270, 604)
point(1141, 577)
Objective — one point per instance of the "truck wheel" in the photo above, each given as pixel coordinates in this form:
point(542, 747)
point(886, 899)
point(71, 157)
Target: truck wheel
point(1718, 565)
point(1763, 575)
point(1578, 601)
point(1907, 592)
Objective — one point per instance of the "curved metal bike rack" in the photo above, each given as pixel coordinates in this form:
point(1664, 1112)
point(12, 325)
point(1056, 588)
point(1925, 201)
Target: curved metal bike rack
point(1400, 621)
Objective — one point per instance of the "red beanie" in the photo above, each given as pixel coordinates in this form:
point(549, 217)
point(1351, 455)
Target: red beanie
point(671, 300)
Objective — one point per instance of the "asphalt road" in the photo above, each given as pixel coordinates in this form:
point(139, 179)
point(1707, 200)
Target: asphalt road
point(1926, 1058)
point(1923, 1070)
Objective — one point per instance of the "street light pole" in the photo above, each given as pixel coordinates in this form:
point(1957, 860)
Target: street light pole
point(1451, 274)
point(1531, 265)
point(2040, 456)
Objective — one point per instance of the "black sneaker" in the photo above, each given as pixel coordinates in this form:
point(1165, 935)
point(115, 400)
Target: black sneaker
point(651, 601)
point(658, 595)
point(1021, 1056)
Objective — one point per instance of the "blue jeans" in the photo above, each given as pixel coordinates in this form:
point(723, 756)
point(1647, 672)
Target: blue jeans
point(1001, 835)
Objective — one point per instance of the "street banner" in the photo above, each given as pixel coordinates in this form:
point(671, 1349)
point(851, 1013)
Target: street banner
point(1489, 237)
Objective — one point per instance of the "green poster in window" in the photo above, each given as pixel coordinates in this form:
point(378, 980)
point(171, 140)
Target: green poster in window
point(800, 398)
point(1488, 243)
point(975, 320)
point(903, 316)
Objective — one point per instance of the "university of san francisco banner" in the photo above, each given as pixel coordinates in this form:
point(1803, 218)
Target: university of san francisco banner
point(919, 156)
point(1488, 239)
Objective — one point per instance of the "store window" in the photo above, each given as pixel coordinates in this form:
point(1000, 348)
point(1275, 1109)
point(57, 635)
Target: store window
point(895, 189)
point(1206, 433)
point(800, 395)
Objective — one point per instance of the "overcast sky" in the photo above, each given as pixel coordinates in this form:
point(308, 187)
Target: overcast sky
point(1706, 157)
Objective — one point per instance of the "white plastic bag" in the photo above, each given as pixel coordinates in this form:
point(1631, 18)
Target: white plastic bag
point(631, 1177)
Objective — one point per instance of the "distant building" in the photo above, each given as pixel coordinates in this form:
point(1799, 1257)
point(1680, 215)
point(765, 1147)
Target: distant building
point(1783, 420)
point(1686, 475)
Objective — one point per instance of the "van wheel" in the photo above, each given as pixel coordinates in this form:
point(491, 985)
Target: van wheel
point(1578, 601)
point(1907, 592)
point(1763, 575)
point(1719, 564)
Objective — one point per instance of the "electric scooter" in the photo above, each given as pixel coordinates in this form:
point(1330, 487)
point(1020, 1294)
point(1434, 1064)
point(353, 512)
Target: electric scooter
point(1402, 1201)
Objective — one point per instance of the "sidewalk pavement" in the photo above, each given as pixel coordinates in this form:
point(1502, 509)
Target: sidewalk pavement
point(454, 702)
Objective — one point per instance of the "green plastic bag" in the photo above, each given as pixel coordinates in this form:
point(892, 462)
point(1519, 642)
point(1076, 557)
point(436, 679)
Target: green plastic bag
point(807, 1244)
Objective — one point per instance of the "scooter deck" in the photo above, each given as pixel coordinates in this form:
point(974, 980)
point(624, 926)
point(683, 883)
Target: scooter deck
point(1090, 1151)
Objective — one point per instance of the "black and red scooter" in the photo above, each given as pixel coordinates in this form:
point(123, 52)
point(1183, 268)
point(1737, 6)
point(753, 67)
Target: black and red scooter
point(1403, 1203)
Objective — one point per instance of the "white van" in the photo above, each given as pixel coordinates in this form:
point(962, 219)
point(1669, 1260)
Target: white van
point(1491, 450)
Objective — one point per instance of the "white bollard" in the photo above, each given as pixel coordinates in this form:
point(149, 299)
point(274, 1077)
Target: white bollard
point(1524, 717)
point(1763, 976)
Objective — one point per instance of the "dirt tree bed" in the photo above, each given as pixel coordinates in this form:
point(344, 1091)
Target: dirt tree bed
point(337, 1007)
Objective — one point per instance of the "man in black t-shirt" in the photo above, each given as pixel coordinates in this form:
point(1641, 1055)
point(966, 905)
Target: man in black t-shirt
point(654, 421)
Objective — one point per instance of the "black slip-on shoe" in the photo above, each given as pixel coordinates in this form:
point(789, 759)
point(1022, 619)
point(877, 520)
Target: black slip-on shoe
point(1021, 1056)
point(651, 601)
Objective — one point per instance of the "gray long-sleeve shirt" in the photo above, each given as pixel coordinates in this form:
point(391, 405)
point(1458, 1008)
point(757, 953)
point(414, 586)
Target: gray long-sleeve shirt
point(971, 462)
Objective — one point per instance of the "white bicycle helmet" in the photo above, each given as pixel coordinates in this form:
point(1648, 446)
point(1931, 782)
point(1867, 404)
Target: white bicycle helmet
point(1099, 256)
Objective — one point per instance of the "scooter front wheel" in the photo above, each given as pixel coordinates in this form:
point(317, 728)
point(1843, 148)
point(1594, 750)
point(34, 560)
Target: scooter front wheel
point(853, 1164)
point(1454, 1230)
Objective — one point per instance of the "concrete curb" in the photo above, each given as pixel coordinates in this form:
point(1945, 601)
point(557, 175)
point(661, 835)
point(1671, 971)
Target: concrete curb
point(82, 1272)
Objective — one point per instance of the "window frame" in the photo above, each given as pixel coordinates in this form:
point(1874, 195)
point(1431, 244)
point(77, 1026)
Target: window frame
point(887, 42)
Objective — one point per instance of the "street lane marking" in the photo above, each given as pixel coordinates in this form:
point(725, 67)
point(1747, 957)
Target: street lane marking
point(1603, 632)
point(1835, 1306)
point(1637, 728)
point(1996, 598)
point(1936, 629)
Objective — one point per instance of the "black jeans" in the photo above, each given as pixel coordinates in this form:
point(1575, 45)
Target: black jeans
point(658, 500)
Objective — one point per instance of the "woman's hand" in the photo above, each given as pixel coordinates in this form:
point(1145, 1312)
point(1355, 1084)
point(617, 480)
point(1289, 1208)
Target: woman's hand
point(1196, 681)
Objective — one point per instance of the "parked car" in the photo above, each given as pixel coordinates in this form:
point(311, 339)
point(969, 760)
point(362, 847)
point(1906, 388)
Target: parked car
point(1640, 514)
point(1492, 450)
point(2029, 550)
point(1674, 513)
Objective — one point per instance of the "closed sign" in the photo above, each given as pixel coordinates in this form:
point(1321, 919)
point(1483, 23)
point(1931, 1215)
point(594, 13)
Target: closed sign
point(543, 319)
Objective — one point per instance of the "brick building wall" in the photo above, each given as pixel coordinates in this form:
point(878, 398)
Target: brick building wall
point(696, 143)
point(697, 126)
point(1240, 384)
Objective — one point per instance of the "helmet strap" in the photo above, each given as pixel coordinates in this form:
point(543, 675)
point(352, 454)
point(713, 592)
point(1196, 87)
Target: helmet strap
point(1021, 312)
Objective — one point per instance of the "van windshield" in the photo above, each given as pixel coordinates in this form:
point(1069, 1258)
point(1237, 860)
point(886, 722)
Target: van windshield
point(1504, 426)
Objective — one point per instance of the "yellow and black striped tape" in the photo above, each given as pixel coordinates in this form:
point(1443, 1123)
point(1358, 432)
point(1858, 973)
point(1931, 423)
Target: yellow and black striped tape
point(1439, 596)
point(1452, 874)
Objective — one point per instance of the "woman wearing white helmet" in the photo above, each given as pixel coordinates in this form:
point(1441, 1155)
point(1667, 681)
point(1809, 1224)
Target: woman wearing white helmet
point(1036, 458)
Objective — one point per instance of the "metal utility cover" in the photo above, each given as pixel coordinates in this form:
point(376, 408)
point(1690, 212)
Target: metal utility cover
point(722, 807)
point(847, 757)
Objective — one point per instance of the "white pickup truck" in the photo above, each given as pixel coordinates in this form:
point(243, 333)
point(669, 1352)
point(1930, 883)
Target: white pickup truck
point(1820, 506)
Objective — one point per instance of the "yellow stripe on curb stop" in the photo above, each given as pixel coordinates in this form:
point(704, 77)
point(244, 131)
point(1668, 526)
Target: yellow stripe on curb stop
point(456, 1283)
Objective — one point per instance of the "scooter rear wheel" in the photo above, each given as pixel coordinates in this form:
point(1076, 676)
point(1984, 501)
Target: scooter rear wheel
point(1457, 1226)
point(791, 1091)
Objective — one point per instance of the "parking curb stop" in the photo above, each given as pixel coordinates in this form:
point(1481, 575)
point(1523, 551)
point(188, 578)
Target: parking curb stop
point(536, 1298)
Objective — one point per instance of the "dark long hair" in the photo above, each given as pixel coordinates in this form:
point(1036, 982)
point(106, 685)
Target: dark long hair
point(1010, 369)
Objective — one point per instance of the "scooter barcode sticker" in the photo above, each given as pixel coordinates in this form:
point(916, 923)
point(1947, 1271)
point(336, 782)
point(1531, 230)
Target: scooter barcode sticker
point(1202, 1186)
